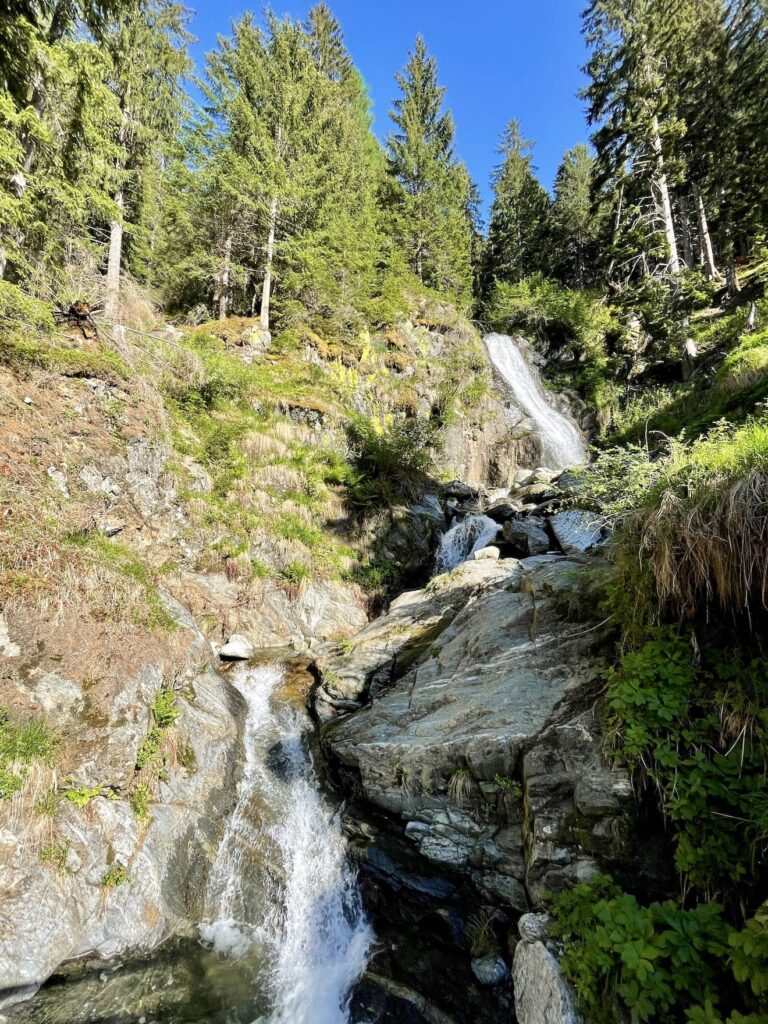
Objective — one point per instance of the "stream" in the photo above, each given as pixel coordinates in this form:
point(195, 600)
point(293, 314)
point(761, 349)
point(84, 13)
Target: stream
point(285, 937)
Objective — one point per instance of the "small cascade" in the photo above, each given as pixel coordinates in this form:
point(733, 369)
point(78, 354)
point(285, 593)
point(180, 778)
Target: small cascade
point(281, 884)
point(471, 534)
point(562, 443)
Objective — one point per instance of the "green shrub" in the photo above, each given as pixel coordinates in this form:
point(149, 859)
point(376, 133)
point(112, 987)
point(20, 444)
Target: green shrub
point(660, 963)
point(697, 732)
point(296, 573)
point(615, 482)
point(20, 313)
point(392, 458)
point(651, 963)
point(744, 365)
point(165, 711)
point(140, 801)
point(81, 796)
point(55, 854)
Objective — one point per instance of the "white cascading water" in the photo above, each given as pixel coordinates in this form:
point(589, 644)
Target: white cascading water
point(562, 443)
point(281, 883)
point(463, 538)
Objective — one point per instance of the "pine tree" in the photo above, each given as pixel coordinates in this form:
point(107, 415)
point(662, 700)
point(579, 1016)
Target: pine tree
point(519, 212)
point(433, 192)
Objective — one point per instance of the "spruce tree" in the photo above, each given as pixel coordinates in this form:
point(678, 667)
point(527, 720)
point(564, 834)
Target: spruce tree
point(575, 226)
point(148, 59)
point(432, 194)
point(518, 223)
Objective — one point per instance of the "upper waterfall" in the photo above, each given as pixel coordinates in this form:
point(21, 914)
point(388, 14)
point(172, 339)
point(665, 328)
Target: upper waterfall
point(562, 443)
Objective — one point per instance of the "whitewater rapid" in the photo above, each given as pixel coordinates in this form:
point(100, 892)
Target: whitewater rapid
point(562, 443)
point(462, 540)
point(281, 883)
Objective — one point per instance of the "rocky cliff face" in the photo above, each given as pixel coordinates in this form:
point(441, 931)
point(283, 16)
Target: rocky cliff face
point(475, 764)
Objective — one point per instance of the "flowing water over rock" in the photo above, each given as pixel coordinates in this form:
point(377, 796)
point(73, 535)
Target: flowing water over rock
point(562, 443)
point(471, 534)
point(286, 937)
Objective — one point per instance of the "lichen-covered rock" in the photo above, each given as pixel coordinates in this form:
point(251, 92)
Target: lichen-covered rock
point(542, 995)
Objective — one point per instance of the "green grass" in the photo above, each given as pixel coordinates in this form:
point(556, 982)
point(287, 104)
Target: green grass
point(22, 745)
point(55, 854)
point(165, 711)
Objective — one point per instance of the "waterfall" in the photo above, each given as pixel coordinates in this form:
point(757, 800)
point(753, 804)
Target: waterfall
point(562, 443)
point(462, 539)
point(281, 882)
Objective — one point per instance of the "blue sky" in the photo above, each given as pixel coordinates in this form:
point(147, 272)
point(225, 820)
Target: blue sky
point(497, 58)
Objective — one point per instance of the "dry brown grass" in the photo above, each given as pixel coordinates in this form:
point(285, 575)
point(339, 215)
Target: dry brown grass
point(710, 550)
point(280, 478)
point(258, 446)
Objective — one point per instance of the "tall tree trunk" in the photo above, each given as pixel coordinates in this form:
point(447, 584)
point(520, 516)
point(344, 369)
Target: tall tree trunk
point(685, 231)
point(221, 296)
point(665, 203)
point(616, 226)
point(115, 257)
point(267, 287)
point(705, 239)
point(114, 260)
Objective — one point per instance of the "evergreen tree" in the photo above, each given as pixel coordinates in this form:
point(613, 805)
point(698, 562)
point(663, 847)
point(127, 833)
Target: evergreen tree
point(285, 174)
point(518, 223)
point(575, 226)
point(637, 125)
point(432, 197)
point(148, 59)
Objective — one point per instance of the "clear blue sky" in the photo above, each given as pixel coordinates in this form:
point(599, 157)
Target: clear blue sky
point(497, 58)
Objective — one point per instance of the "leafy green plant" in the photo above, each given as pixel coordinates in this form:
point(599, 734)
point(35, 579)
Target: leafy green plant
point(140, 801)
point(652, 961)
point(115, 876)
point(164, 712)
point(696, 730)
point(81, 796)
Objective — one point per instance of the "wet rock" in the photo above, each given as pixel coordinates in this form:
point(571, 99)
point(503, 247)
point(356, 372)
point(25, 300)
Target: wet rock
point(542, 475)
point(542, 995)
point(577, 531)
point(490, 970)
point(527, 537)
point(523, 477)
point(237, 648)
point(461, 491)
point(501, 511)
point(491, 552)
